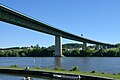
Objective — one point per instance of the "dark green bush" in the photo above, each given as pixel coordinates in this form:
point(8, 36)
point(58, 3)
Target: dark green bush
point(75, 69)
point(102, 73)
point(16, 66)
point(38, 67)
point(93, 71)
point(118, 73)
point(58, 68)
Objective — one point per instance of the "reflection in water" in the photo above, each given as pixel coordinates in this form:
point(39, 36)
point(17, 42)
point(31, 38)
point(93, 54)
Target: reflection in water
point(58, 62)
point(22, 77)
point(27, 78)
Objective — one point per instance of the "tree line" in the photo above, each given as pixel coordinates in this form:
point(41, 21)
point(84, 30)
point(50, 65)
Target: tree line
point(37, 51)
point(33, 52)
point(45, 52)
point(92, 53)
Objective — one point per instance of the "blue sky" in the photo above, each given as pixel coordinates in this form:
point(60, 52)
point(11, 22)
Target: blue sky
point(95, 19)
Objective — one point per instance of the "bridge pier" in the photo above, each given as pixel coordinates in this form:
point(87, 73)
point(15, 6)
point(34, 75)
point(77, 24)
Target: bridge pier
point(84, 47)
point(97, 47)
point(58, 46)
point(105, 47)
point(101, 47)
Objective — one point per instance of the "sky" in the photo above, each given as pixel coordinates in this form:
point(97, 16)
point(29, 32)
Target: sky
point(96, 19)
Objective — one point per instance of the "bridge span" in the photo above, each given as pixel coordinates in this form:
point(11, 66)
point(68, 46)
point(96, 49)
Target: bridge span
point(13, 17)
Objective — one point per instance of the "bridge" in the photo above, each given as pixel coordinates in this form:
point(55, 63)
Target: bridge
point(13, 17)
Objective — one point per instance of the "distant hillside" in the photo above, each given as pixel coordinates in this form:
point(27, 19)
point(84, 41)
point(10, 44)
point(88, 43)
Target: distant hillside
point(64, 46)
point(68, 46)
point(72, 45)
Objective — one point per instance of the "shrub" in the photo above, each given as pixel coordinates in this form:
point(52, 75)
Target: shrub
point(38, 67)
point(92, 71)
point(114, 74)
point(102, 73)
point(75, 69)
point(58, 68)
point(14, 65)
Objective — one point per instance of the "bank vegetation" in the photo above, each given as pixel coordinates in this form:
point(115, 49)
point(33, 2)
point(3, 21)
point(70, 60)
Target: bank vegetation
point(37, 51)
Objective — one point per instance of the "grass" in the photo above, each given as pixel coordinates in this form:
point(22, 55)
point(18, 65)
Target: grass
point(60, 70)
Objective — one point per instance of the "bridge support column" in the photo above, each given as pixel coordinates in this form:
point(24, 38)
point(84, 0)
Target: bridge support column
point(101, 46)
point(58, 46)
point(97, 47)
point(84, 46)
point(104, 47)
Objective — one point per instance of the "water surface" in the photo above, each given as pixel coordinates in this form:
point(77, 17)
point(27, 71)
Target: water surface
point(100, 64)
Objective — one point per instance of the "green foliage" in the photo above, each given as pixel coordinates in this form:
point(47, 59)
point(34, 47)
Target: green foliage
point(38, 67)
point(72, 46)
point(68, 46)
point(117, 45)
point(75, 53)
point(58, 68)
point(102, 73)
point(67, 53)
point(92, 72)
point(15, 66)
point(114, 73)
point(37, 51)
point(75, 69)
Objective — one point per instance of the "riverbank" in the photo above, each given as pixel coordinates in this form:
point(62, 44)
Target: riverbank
point(63, 71)
point(50, 52)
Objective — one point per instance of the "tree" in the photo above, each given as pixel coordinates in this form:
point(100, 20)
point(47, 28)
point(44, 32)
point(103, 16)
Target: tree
point(75, 53)
point(117, 45)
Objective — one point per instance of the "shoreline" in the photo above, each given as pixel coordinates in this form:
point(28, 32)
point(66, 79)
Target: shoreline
point(52, 73)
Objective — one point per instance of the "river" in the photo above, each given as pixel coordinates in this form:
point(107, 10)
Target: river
point(100, 64)
point(20, 77)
